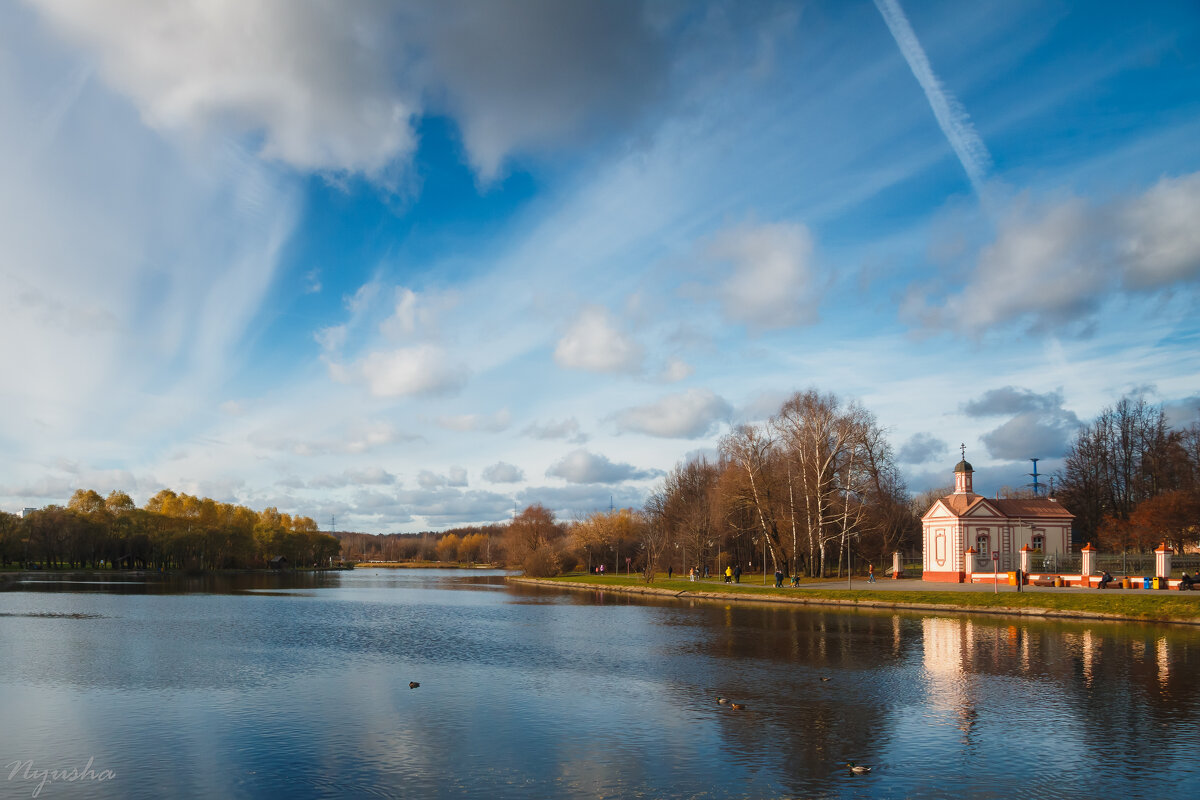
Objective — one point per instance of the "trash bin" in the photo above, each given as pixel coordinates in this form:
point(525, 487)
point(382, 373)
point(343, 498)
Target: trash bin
point(1125, 583)
point(1012, 579)
point(1058, 582)
point(1147, 582)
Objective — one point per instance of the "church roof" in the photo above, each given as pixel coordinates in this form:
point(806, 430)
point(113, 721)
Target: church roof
point(1031, 507)
point(960, 504)
point(963, 466)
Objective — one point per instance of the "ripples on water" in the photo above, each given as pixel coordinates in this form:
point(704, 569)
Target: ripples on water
point(261, 686)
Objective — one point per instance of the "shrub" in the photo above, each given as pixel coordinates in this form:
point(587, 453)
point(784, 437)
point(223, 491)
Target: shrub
point(542, 563)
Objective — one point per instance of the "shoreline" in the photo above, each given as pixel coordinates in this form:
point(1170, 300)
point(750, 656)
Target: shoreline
point(1035, 612)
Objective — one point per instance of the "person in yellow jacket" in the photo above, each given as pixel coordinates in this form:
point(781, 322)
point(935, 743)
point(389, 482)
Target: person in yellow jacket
point(728, 574)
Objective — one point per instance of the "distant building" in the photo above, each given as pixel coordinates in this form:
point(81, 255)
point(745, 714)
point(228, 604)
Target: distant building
point(25, 512)
point(965, 519)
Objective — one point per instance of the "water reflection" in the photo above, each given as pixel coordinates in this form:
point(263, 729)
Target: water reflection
point(267, 685)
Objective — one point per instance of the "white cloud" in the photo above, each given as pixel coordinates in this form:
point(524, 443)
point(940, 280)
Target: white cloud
point(1040, 427)
point(1161, 242)
point(354, 438)
point(580, 466)
point(687, 415)
point(593, 343)
point(369, 476)
point(676, 370)
point(567, 429)
point(447, 506)
point(487, 423)
point(1042, 267)
point(771, 281)
point(315, 81)
point(455, 477)
point(418, 370)
point(503, 472)
point(576, 501)
point(337, 86)
point(1053, 266)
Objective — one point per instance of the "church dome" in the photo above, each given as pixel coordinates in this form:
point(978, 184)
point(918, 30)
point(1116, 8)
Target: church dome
point(963, 466)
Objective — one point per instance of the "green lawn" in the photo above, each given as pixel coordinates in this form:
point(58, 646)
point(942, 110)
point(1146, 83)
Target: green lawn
point(1168, 605)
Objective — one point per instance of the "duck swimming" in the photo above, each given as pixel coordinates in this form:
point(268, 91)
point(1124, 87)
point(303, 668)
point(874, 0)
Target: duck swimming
point(858, 769)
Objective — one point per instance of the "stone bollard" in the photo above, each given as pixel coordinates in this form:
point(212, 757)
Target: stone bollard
point(896, 569)
point(970, 562)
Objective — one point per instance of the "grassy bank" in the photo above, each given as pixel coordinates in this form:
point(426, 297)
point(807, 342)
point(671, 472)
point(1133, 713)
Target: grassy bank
point(423, 565)
point(1110, 604)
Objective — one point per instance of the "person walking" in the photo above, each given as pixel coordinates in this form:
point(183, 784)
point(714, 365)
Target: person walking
point(870, 573)
point(737, 574)
point(778, 578)
point(728, 574)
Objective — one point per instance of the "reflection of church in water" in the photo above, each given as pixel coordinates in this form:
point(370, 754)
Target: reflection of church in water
point(965, 520)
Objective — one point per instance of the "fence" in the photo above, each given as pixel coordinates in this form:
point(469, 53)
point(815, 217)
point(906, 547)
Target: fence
point(1143, 563)
point(1058, 562)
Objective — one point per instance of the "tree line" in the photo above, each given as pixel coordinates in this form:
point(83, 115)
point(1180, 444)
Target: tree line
point(801, 492)
point(172, 531)
point(463, 545)
point(1132, 481)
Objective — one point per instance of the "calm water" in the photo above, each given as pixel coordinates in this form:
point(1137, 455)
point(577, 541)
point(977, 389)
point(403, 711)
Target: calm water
point(262, 687)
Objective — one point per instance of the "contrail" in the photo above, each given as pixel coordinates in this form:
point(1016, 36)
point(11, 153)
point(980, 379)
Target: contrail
point(951, 117)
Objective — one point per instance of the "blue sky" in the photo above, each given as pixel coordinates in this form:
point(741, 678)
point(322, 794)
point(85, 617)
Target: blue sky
point(419, 265)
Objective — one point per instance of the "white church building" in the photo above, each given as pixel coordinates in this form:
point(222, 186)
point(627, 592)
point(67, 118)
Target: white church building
point(964, 520)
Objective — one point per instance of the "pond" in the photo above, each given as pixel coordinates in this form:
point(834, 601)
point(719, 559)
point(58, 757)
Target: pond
point(298, 685)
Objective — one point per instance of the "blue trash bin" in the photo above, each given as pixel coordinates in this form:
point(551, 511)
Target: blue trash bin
point(1147, 583)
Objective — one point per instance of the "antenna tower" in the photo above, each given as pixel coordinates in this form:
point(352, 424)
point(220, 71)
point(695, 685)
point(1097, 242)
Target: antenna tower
point(1035, 485)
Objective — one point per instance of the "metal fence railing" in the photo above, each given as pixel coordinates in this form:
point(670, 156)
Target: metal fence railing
point(1056, 562)
point(1144, 563)
point(1126, 563)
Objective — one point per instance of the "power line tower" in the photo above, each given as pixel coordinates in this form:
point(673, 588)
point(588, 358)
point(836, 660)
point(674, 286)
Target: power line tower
point(1037, 487)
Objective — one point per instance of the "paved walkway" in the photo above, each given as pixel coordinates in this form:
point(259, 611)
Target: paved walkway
point(916, 585)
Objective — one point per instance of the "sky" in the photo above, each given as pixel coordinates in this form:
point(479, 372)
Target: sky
point(407, 266)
